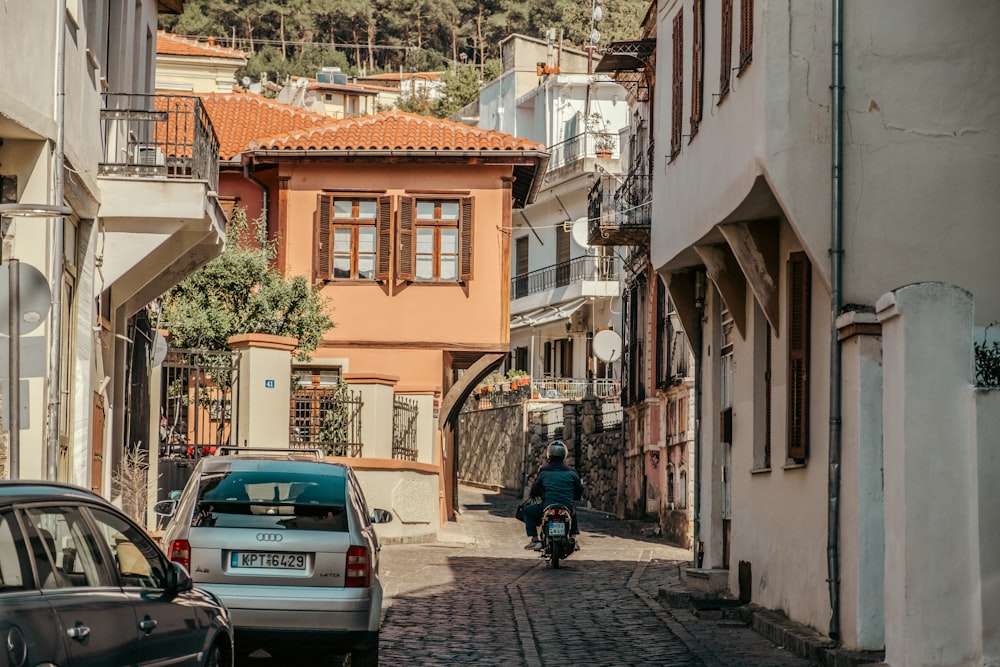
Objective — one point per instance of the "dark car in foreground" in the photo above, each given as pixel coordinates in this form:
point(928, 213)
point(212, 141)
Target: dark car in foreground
point(285, 539)
point(81, 584)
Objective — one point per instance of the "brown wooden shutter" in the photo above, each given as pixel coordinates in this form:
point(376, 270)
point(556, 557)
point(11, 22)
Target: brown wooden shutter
point(746, 33)
point(697, 63)
point(799, 273)
point(406, 261)
point(677, 106)
point(324, 250)
point(725, 72)
point(383, 262)
point(465, 239)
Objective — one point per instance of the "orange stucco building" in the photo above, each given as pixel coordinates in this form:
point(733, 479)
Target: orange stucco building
point(404, 224)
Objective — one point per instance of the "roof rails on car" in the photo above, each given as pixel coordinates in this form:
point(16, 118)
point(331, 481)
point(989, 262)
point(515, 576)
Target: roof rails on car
point(304, 452)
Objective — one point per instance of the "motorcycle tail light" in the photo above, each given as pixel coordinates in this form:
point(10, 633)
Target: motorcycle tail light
point(358, 573)
point(180, 552)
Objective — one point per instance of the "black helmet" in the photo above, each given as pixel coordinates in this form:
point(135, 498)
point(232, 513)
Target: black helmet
point(557, 450)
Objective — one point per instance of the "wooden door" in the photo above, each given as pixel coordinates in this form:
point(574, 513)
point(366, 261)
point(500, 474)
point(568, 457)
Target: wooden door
point(97, 446)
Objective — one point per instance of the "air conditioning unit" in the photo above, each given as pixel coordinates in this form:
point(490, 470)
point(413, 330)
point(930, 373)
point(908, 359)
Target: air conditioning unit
point(147, 154)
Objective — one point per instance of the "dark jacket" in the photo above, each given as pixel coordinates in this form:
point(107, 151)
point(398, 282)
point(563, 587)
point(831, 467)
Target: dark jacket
point(557, 483)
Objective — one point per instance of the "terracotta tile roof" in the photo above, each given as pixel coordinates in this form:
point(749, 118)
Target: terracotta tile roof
point(396, 130)
point(174, 45)
point(240, 118)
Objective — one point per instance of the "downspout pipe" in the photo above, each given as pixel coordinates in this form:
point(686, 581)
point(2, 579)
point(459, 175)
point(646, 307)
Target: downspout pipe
point(836, 282)
point(699, 300)
point(58, 250)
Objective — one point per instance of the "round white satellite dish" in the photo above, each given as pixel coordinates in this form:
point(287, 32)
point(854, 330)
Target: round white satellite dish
point(159, 349)
point(607, 345)
point(579, 232)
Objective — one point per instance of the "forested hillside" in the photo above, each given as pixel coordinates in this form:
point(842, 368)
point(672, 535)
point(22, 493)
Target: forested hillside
point(299, 36)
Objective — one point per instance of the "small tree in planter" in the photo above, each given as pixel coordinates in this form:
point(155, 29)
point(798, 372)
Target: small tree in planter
point(599, 128)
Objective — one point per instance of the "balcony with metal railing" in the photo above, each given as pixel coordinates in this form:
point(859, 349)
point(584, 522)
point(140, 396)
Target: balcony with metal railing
point(620, 210)
point(158, 136)
point(588, 144)
point(577, 270)
point(159, 180)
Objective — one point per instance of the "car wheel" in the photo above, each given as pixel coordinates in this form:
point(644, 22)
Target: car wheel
point(215, 657)
point(365, 657)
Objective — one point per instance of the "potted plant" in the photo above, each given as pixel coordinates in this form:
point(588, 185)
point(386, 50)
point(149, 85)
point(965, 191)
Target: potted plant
point(599, 128)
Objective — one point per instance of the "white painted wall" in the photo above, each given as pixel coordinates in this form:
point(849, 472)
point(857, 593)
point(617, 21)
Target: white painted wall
point(921, 158)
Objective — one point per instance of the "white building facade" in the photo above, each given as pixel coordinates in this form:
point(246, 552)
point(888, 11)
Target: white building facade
point(765, 233)
point(82, 133)
point(563, 291)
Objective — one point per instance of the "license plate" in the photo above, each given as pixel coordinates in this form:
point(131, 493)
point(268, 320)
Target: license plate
point(257, 559)
point(557, 528)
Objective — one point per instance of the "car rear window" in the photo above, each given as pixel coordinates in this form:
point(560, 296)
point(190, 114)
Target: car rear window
point(271, 499)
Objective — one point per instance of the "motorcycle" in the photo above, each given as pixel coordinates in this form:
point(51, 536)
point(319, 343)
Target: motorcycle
point(557, 542)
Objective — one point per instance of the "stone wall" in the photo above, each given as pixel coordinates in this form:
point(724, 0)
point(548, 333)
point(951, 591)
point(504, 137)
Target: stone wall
point(491, 447)
point(497, 450)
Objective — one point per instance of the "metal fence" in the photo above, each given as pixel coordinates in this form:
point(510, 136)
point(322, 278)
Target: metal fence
point(158, 136)
point(404, 429)
point(600, 267)
point(196, 406)
point(328, 419)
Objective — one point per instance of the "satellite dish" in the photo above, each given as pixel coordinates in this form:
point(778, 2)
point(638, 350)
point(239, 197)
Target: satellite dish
point(33, 297)
point(607, 345)
point(159, 349)
point(579, 232)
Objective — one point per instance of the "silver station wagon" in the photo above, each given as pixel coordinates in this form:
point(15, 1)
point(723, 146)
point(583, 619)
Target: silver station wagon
point(285, 540)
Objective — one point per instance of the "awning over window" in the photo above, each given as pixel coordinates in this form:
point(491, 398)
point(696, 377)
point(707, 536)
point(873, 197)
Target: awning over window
point(547, 314)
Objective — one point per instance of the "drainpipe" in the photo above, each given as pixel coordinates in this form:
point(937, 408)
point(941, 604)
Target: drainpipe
point(699, 300)
point(248, 174)
point(836, 281)
point(55, 311)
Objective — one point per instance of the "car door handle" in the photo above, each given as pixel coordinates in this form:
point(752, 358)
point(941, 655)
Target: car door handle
point(78, 632)
point(147, 625)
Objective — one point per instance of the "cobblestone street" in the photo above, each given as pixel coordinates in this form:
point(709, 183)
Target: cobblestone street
point(476, 597)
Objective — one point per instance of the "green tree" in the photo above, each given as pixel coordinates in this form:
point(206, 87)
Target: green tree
point(240, 292)
point(461, 86)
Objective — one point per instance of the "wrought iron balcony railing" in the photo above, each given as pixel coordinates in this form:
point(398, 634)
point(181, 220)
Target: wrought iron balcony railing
point(564, 273)
point(620, 212)
point(584, 145)
point(158, 136)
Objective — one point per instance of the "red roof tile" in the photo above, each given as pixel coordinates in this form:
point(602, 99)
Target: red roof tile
point(396, 130)
point(239, 118)
point(174, 45)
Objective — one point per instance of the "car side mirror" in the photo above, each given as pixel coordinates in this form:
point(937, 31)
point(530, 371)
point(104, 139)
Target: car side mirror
point(165, 508)
point(381, 516)
point(178, 579)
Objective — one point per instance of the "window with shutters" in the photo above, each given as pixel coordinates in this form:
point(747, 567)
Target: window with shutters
point(677, 106)
point(725, 71)
point(435, 239)
point(697, 64)
point(520, 267)
point(746, 34)
point(799, 275)
point(350, 243)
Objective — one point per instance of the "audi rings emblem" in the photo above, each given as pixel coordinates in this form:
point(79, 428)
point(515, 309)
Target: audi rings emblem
point(269, 537)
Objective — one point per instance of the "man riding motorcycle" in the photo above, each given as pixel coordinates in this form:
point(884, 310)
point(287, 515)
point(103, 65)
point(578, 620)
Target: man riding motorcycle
point(556, 483)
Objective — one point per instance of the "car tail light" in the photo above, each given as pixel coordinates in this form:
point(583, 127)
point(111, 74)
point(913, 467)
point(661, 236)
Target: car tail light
point(180, 552)
point(358, 568)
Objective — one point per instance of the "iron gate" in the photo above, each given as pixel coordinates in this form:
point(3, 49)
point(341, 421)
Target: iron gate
point(196, 402)
point(328, 419)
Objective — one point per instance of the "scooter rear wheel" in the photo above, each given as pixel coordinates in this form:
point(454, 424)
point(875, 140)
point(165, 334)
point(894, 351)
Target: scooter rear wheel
point(556, 553)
